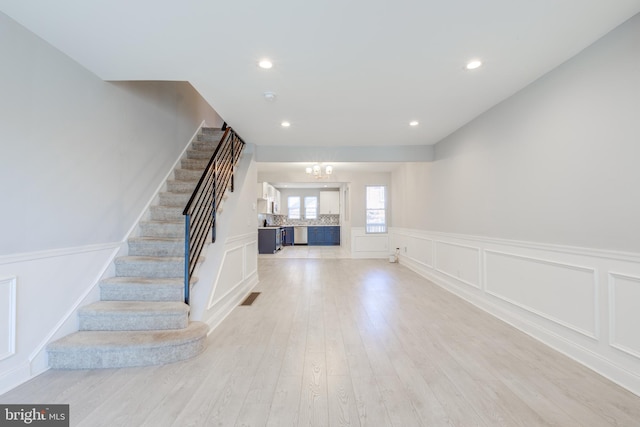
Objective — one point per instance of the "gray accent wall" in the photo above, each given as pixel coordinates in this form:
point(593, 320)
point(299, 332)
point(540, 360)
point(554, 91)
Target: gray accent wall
point(555, 163)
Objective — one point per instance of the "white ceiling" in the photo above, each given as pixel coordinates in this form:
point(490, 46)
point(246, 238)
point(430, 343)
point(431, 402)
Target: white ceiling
point(345, 72)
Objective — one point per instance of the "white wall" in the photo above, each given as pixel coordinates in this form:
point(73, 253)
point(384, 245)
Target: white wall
point(81, 159)
point(531, 212)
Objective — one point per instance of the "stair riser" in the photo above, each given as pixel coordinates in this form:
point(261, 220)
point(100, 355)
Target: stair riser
point(204, 154)
point(121, 358)
point(194, 164)
point(156, 249)
point(166, 213)
point(150, 269)
point(158, 229)
point(187, 174)
point(214, 137)
point(178, 200)
point(133, 292)
point(207, 146)
point(132, 322)
point(181, 186)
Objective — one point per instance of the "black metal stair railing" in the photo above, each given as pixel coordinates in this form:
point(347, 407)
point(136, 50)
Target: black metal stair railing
point(200, 212)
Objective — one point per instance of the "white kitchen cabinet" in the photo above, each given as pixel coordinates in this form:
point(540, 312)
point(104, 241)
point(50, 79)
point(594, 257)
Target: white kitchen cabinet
point(266, 198)
point(263, 190)
point(329, 202)
point(277, 206)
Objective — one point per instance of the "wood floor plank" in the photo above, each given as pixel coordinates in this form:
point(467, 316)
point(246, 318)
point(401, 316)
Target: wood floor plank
point(369, 402)
point(397, 402)
point(343, 410)
point(286, 402)
point(313, 400)
point(421, 396)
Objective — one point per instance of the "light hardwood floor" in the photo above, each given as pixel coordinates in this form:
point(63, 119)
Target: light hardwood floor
point(347, 343)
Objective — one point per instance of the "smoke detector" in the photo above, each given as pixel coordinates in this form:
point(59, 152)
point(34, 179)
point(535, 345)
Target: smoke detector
point(269, 96)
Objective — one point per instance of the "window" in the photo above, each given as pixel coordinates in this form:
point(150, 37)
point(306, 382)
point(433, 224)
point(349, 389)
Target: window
point(376, 209)
point(311, 207)
point(293, 207)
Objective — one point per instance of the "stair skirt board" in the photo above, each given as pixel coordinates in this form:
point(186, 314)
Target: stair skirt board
point(141, 318)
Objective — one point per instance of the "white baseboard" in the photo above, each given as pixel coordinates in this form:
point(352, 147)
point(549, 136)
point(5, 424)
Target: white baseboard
point(12, 378)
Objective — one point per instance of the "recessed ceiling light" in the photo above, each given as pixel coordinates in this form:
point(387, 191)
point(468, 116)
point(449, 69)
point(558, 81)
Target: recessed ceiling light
point(472, 65)
point(285, 124)
point(414, 123)
point(265, 63)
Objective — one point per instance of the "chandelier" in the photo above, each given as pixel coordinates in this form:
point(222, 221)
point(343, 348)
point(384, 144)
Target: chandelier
point(317, 172)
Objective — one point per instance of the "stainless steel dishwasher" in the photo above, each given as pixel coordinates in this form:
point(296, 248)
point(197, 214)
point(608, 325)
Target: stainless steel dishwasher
point(300, 235)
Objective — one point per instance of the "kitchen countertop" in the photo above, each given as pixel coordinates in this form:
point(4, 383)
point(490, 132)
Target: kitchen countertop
point(283, 226)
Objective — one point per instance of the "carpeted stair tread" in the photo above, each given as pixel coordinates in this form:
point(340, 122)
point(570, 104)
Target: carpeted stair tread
point(151, 239)
point(117, 349)
point(105, 340)
point(136, 258)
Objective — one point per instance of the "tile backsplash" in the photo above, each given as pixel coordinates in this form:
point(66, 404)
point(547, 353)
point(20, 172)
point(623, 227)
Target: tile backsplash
point(284, 220)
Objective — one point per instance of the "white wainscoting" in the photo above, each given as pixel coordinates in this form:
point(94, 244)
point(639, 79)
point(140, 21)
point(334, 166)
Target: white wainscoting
point(41, 311)
point(460, 262)
point(364, 245)
point(624, 320)
point(550, 292)
point(512, 278)
point(229, 273)
point(7, 317)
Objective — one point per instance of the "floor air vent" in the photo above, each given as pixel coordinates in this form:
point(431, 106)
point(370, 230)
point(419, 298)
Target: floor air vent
point(251, 298)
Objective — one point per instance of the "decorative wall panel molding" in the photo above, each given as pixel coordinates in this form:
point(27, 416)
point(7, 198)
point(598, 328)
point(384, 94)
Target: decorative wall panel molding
point(230, 274)
point(624, 313)
point(369, 245)
point(419, 248)
point(542, 287)
point(7, 317)
point(460, 262)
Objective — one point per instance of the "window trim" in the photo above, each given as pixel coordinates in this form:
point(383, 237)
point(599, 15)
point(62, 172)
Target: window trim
point(289, 207)
point(367, 209)
point(305, 207)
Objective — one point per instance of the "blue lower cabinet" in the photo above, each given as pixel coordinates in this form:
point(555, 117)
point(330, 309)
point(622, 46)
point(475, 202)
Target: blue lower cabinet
point(269, 240)
point(288, 236)
point(323, 236)
point(333, 235)
point(314, 236)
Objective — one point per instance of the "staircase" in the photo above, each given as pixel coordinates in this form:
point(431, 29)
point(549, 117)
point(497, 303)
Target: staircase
point(141, 318)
